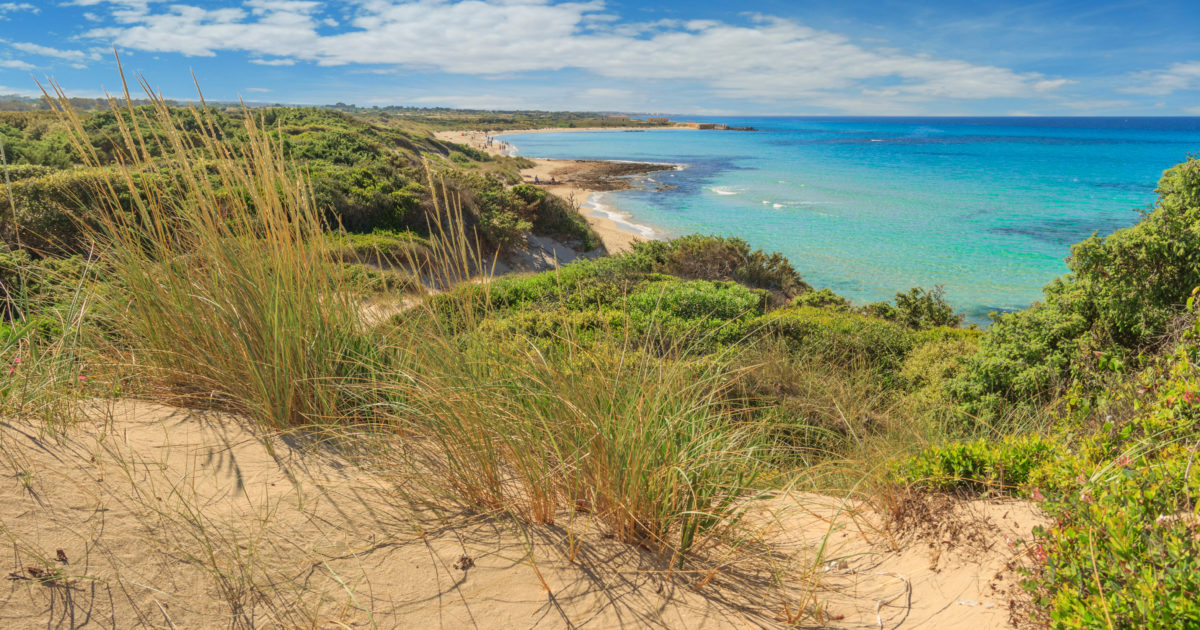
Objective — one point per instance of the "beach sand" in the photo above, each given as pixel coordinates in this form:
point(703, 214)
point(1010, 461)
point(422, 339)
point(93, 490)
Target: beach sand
point(162, 517)
point(578, 180)
point(575, 180)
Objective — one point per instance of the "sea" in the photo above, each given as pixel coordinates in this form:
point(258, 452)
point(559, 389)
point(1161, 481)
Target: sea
point(988, 208)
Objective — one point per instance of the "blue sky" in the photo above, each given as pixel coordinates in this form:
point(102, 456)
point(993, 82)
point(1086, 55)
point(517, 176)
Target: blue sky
point(694, 56)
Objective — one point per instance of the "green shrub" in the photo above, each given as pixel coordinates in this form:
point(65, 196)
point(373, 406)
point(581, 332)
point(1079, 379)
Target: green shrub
point(699, 257)
point(1027, 357)
point(930, 366)
point(977, 467)
point(369, 197)
point(1122, 295)
point(16, 172)
point(50, 208)
point(839, 337)
point(29, 287)
point(1123, 549)
point(882, 310)
point(920, 309)
point(367, 279)
point(384, 247)
point(697, 299)
point(824, 298)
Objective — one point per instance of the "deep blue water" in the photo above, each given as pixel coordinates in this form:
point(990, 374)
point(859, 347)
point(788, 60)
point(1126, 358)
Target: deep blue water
point(987, 207)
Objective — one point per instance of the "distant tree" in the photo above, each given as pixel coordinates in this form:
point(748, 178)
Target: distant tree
point(920, 309)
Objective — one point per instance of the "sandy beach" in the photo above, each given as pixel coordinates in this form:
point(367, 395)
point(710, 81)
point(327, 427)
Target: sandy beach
point(574, 180)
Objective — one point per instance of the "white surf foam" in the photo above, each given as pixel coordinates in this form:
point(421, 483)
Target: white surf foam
point(595, 206)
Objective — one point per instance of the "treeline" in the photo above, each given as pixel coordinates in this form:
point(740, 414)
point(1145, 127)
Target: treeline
point(366, 175)
point(440, 118)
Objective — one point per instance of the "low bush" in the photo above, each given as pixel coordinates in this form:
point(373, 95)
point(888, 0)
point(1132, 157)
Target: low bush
point(31, 286)
point(383, 248)
point(824, 298)
point(920, 309)
point(978, 467)
point(720, 258)
point(17, 172)
point(697, 299)
point(839, 336)
point(52, 209)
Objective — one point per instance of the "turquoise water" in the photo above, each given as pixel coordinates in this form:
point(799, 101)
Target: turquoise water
point(867, 207)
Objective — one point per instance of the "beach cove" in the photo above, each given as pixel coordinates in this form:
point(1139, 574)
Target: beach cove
point(585, 183)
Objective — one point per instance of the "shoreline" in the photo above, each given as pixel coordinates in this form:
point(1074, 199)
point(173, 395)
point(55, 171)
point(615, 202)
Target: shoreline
point(584, 183)
point(580, 182)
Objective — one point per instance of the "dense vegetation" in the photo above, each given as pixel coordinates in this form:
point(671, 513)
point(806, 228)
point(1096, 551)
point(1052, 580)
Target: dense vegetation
point(1111, 356)
point(656, 389)
point(366, 175)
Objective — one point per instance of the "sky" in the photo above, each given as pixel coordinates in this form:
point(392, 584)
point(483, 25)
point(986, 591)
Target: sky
point(715, 57)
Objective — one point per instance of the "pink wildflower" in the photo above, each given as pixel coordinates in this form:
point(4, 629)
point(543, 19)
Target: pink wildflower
point(1037, 495)
point(1123, 461)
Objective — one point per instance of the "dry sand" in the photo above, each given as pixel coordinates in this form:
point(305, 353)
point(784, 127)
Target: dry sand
point(578, 181)
point(174, 518)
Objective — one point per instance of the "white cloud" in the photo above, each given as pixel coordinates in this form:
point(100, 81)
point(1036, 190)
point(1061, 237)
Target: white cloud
point(16, 64)
point(1194, 111)
point(46, 51)
point(769, 59)
point(470, 101)
point(258, 90)
point(274, 62)
point(137, 4)
point(1178, 77)
point(16, 7)
point(1094, 105)
point(1052, 84)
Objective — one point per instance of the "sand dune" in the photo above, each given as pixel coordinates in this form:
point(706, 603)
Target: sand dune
point(173, 518)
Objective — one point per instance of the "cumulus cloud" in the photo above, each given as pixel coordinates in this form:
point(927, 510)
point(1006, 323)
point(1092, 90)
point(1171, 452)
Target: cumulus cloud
point(766, 59)
point(1178, 77)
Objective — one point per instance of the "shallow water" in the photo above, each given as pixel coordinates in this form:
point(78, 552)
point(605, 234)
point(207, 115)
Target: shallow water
point(987, 207)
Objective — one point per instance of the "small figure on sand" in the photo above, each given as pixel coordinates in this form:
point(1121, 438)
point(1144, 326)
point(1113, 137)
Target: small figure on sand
point(536, 180)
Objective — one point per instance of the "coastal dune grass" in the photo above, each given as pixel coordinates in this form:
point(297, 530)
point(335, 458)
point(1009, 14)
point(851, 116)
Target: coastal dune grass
point(222, 279)
point(649, 446)
point(222, 286)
